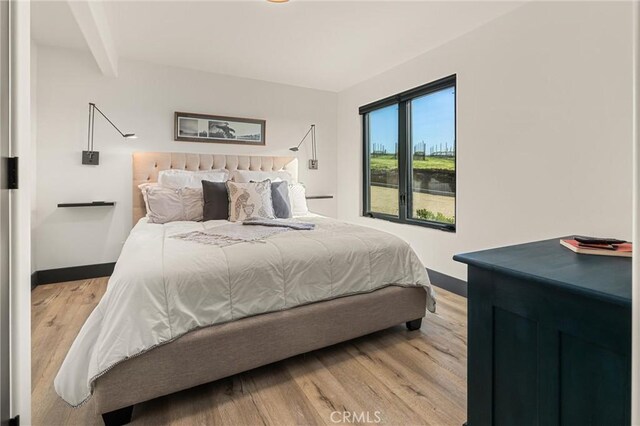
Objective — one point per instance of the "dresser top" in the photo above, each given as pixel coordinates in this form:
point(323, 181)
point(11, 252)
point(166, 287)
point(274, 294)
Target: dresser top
point(547, 262)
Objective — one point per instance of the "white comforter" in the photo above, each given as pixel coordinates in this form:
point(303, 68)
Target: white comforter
point(164, 287)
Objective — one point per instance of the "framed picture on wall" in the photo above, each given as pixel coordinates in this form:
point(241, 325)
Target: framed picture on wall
point(190, 127)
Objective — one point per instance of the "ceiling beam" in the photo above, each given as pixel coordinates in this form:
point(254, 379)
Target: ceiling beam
point(92, 20)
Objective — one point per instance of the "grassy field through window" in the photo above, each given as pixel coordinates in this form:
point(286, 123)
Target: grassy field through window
point(384, 198)
point(389, 162)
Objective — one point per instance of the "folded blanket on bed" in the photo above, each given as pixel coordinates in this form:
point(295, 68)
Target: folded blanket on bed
point(226, 235)
point(286, 223)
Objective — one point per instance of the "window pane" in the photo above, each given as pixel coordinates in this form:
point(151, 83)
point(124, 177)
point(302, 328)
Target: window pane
point(383, 160)
point(433, 146)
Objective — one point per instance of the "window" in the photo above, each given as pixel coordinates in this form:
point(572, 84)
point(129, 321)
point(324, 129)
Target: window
point(410, 156)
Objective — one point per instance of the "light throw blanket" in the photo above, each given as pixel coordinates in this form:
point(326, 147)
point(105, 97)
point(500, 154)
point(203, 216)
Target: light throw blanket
point(287, 223)
point(236, 233)
point(164, 287)
point(233, 233)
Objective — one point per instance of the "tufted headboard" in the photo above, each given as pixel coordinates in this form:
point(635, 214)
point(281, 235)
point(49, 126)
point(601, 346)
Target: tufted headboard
point(147, 165)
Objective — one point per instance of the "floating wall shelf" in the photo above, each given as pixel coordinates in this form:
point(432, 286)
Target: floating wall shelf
point(90, 204)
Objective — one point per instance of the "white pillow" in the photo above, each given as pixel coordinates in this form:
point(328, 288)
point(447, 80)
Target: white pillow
point(297, 196)
point(250, 200)
point(246, 176)
point(143, 188)
point(170, 205)
point(190, 179)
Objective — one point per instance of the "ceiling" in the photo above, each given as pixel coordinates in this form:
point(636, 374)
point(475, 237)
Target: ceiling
point(328, 45)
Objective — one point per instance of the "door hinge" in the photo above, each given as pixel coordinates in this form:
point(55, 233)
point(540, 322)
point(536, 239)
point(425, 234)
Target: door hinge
point(12, 172)
point(15, 421)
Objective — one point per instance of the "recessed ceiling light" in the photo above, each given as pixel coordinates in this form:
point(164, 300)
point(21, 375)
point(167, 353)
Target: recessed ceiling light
point(277, 1)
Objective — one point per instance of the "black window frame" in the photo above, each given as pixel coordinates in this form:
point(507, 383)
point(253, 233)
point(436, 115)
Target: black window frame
point(405, 181)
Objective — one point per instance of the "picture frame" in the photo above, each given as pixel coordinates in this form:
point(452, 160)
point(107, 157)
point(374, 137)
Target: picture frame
point(192, 127)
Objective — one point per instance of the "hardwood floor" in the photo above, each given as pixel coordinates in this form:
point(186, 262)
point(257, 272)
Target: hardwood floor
point(392, 377)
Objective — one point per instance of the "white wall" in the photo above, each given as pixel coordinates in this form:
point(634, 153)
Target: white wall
point(142, 99)
point(34, 140)
point(541, 92)
point(635, 295)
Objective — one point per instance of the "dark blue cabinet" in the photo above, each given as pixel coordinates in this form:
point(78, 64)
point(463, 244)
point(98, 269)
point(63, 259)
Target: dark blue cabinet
point(549, 337)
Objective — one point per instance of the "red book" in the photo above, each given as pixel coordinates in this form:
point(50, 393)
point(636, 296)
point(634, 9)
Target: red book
point(619, 250)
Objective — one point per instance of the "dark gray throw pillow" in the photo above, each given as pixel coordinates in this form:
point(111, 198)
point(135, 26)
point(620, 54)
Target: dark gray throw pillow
point(280, 199)
point(216, 200)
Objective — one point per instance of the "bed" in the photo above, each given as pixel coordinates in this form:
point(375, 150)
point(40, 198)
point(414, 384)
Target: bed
point(178, 314)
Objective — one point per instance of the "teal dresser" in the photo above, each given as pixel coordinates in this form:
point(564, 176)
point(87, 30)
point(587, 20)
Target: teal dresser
point(549, 337)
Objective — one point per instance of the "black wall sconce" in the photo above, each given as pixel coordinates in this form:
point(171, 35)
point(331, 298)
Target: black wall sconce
point(313, 162)
point(90, 156)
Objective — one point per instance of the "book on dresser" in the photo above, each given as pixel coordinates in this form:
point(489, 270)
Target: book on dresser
point(620, 250)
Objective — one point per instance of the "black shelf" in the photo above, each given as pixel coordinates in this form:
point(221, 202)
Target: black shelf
point(91, 204)
point(318, 197)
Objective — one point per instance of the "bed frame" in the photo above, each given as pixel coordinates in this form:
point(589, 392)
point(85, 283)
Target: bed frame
point(222, 350)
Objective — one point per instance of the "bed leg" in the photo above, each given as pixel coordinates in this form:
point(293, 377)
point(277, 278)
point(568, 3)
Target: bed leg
point(414, 325)
point(118, 417)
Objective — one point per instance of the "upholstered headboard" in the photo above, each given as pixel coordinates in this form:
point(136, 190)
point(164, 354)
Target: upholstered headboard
point(147, 165)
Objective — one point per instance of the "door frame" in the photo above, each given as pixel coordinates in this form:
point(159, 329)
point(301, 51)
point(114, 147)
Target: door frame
point(20, 209)
point(635, 344)
point(635, 295)
point(5, 257)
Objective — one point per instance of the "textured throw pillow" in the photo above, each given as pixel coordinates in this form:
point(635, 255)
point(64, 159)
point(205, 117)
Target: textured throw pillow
point(216, 201)
point(280, 199)
point(244, 176)
point(250, 200)
point(297, 195)
point(170, 205)
point(143, 188)
point(175, 178)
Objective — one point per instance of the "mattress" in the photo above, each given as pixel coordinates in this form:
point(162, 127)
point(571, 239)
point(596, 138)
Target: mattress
point(163, 287)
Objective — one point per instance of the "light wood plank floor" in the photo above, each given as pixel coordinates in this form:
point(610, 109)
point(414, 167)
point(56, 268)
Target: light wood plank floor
point(400, 377)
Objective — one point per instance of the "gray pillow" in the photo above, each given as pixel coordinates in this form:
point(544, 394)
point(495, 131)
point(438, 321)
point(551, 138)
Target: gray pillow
point(216, 201)
point(280, 199)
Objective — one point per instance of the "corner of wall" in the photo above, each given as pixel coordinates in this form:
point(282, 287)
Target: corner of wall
point(34, 138)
